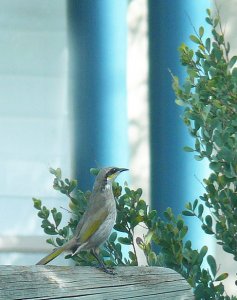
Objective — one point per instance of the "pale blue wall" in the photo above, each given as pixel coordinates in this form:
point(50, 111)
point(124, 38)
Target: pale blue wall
point(98, 84)
point(173, 171)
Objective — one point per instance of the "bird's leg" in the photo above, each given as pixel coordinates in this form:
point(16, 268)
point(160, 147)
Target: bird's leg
point(102, 266)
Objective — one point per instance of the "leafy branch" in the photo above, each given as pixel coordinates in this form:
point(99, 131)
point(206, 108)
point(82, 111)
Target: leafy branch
point(210, 106)
point(169, 235)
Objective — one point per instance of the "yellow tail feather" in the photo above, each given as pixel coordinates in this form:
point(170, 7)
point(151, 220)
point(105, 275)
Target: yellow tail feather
point(56, 252)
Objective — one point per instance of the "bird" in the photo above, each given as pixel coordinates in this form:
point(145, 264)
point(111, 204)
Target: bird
point(96, 223)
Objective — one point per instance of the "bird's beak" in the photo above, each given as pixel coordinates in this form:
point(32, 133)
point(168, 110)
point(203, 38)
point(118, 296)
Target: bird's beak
point(122, 170)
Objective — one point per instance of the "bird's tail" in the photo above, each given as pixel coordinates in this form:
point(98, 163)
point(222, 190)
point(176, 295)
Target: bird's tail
point(56, 252)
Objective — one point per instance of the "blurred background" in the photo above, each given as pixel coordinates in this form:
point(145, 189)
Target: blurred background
point(86, 83)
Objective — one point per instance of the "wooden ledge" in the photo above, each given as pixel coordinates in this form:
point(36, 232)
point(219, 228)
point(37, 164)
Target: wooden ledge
point(53, 282)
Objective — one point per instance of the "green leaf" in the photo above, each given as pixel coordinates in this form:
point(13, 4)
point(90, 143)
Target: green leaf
point(194, 39)
point(208, 11)
point(180, 102)
point(120, 227)
point(58, 218)
point(226, 154)
point(198, 157)
point(200, 291)
point(227, 47)
point(94, 171)
point(200, 210)
point(209, 149)
point(234, 73)
point(207, 229)
point(43, 213)
point(148, 238)
point(232, 61)
point(180, 224)
point(188, 213)
point(201, 31)
point(52, 171)
point(51, 242)
point(152, 259)
point(132, 256)
point(168, 213)
point(104, 253)
point(227, 249)
point(141, 213)
point(216, 21)
point(199, 54)
point(141, 207)
point(183, 232)
point(221, 277)
point(72, 185)
point(188, 244)
point(152, 215)
point(46, 223)
point(203, 252)
point(50, 231)
point(124, 240)
point(188, 149)
point(59, 241)
point(208, 44)
point(209, 21)
point(195, 203)
point(215, 166)
point(189, 206)
point(118, 248)
point(212, 71)
point(113, 237)
point(208, 220)
point(206, 111)
point(56, 172)
point(37, 203)
point(139, 193)
point(212, 263)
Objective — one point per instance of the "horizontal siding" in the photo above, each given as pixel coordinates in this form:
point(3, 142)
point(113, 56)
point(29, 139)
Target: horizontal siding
point(35, 119)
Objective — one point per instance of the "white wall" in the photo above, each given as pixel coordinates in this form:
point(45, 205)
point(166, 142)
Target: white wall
point(228, 12)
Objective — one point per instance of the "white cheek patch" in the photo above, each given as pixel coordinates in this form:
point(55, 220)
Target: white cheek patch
point(107, 187)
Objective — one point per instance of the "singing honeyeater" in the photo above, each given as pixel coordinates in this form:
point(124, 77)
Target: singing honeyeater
point(97, 221)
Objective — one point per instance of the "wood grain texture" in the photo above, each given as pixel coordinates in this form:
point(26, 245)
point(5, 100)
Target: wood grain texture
point(88, 283)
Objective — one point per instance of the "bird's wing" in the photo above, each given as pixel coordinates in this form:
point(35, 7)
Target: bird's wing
point(91, 224)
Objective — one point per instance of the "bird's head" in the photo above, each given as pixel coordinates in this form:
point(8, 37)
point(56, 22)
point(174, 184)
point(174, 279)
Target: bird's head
point(107, 175)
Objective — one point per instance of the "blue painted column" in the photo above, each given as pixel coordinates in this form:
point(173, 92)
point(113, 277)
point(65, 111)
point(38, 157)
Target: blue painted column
point(97, 53)
point(173, 171)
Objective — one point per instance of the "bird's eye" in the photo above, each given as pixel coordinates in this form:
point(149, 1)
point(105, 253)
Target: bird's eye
point(111, 172)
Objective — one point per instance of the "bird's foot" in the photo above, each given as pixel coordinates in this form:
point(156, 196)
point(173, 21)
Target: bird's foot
point(107, 270)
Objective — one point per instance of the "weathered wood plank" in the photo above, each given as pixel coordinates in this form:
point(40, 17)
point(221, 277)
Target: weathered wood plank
point(51, 283)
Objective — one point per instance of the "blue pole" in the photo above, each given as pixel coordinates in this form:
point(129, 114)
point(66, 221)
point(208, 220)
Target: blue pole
point(97, 39)
point(173, 171)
